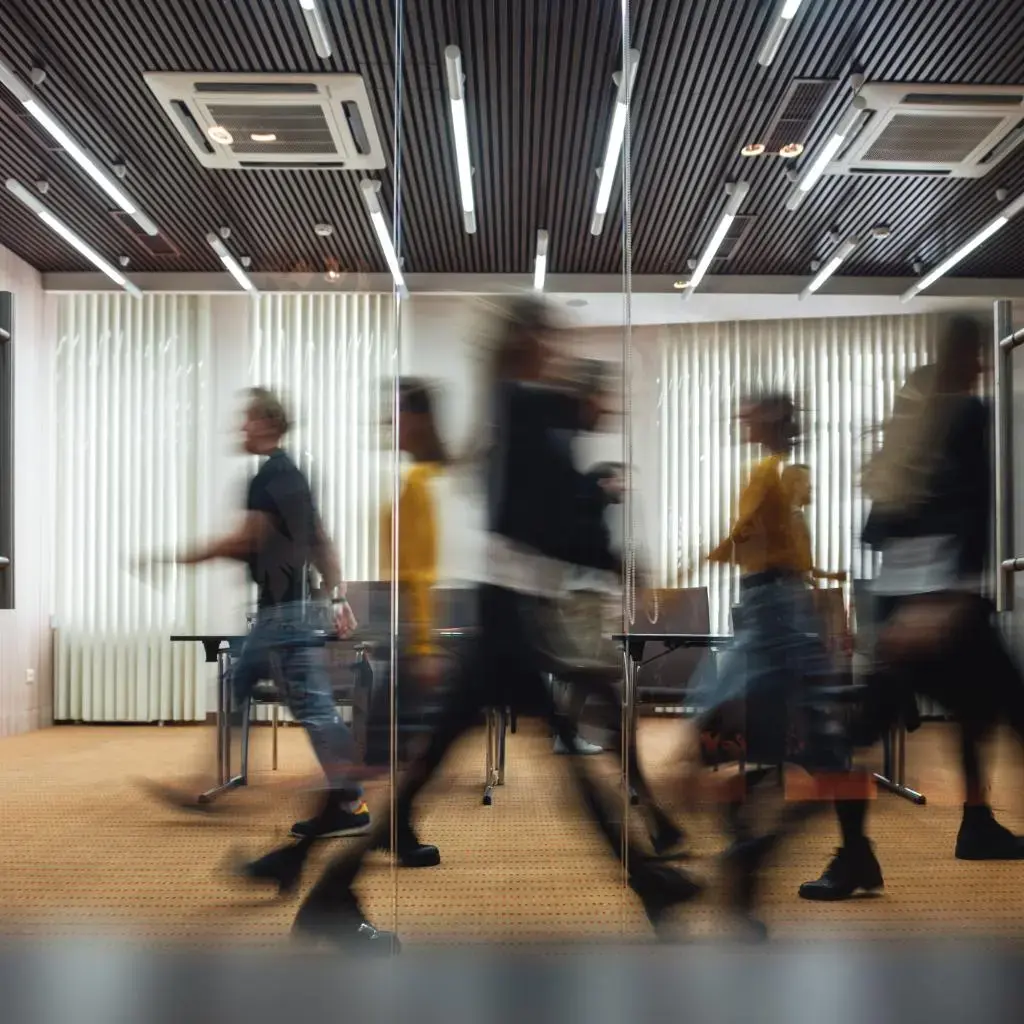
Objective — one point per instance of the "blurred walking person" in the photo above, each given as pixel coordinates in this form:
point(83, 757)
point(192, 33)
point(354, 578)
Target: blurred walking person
point(931, 514)
point(536, 536)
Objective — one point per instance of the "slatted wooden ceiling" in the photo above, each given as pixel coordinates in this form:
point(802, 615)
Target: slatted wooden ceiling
point(539, 100)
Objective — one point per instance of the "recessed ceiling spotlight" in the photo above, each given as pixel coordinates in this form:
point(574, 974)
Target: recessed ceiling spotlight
point(42, 187)
point(246, 261)
point(917, 266)
point(881, 231)
point(123, 261)
point(333, 275)
point(681, 284)
point(263, 137)
point(815, 266)
point(323, 230)
point(220, 135)
point(791, 151)
point(753, 149)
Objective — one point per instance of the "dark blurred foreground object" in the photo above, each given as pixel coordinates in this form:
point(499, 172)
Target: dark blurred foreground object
point(941, 982)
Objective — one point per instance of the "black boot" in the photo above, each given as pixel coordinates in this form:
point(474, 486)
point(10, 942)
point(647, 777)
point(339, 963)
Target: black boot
point(281, 867)
point(981, 837)
point(660, 888)
point(343, 924)
point(411, 852)
point(854, 868)
point(743, 862)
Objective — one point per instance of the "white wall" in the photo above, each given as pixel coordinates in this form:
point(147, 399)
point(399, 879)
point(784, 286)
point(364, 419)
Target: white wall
point(25, 632)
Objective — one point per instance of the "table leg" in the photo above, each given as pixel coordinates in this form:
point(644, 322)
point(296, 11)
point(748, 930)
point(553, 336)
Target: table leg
point(894, 767)
point(502, 726)
point(225, 780)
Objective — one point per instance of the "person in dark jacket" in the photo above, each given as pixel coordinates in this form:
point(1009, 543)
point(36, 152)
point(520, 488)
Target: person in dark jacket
point(536, 535)
point(930, 485)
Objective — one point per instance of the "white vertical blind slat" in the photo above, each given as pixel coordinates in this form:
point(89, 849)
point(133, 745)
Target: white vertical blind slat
point(126, 451)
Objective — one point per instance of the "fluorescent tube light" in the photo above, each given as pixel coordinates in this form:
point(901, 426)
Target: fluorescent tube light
point(736, 197)
point(787, 11)
point(540, 261)
point(59, 227)
point(828, 153)
point(966, 249)
point(380, 226)
point(837, 260)
point(316, 28)
point(233, 267)
point(68, 144)
point(616, 133)
point(460, 131)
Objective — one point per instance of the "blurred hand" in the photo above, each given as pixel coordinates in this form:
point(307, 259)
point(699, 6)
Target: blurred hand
point(345, 620)
point(838, 577)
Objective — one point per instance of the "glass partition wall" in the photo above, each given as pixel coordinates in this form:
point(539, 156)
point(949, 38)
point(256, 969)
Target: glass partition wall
point(511, 154)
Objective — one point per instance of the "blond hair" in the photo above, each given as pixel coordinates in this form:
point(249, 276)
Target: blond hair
point(267, 406)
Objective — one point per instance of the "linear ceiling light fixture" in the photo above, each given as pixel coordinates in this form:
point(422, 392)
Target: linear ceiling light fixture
point(624, 80)
point(540, 261)
point(20, 192)
point(457, 98)
point(14, 84)
point(737, 193)
point(851, 121)
point(966, 249)
point(316, 27)
point(785, 12)
point(233, 267)
point(371, 190)
point(838, 258)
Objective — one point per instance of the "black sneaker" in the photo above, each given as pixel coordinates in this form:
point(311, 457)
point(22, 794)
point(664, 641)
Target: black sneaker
point(981, 837)
point(335, 823)
point(853, 869)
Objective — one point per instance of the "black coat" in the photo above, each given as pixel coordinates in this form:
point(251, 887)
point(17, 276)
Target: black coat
point(959, 493)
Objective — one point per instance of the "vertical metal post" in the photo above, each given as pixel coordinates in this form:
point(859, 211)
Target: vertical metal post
point(1002, 452)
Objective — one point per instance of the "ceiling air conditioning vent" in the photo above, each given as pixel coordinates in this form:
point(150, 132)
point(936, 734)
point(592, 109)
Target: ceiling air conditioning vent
point(938, 130)
point(272, 122)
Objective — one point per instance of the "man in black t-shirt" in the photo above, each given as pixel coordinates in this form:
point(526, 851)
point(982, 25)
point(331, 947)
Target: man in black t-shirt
point(280, 538)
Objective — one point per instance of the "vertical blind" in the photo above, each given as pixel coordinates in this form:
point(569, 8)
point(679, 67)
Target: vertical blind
point(843, 374)
point(130, 417)
point(331, 357)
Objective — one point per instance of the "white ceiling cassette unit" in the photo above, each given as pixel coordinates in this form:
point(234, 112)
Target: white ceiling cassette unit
point(954, 131)
point(246, 122)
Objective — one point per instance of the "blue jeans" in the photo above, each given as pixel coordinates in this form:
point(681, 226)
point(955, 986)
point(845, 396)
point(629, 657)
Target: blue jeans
point(284, 637)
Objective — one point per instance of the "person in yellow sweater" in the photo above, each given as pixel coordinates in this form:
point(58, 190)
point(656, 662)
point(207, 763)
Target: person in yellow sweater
point(419, 441)
point(796, 481)
point(772, 658)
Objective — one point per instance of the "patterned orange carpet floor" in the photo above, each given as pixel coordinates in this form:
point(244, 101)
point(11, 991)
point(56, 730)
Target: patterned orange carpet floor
point(88, 850)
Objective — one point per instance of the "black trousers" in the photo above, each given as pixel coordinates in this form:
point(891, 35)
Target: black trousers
point(505, 666)
point(971, 674)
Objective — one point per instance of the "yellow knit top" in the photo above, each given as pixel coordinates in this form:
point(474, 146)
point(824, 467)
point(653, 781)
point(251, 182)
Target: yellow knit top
point(417, 553)
point(762, 537)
